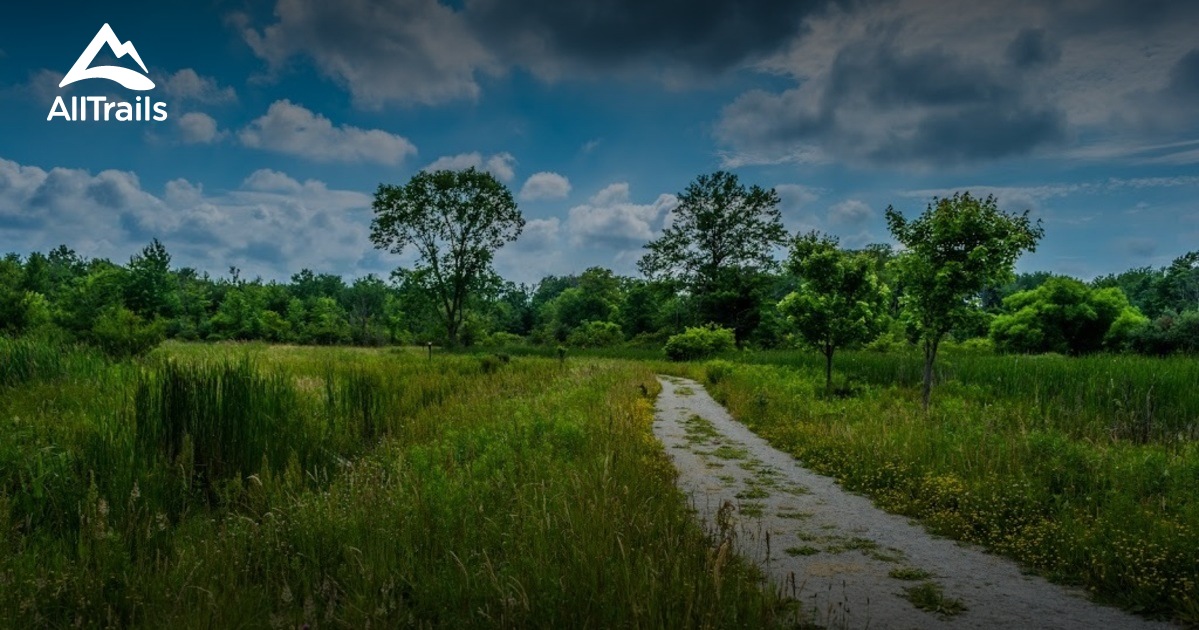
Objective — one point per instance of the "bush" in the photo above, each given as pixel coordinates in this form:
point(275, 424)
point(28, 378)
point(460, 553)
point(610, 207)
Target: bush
point(1167, 334)
point(699, 343)
point(718, 371)
point(503, 339)
point(592, 334)
point(120, 332)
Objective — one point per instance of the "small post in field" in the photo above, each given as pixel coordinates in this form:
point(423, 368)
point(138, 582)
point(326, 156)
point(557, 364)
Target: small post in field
point(429, 344)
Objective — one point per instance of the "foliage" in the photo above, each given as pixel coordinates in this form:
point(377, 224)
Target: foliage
point(455, 220)
point(372, 472)
point(839, 301)
point(699, 343)
point(596, 334)
point(1065, 316)
point(959, 246)
point(120, 332)
point(722, 236)
point(1168, 334)
point(1024, 456)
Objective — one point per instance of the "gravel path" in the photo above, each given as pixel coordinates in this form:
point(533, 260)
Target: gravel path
point(838, 554)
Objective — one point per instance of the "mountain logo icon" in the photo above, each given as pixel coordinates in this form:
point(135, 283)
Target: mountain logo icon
point(126, 77)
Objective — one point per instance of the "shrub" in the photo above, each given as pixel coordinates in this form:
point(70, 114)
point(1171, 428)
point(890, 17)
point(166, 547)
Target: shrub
point(120, 332)
point(699, 343)
point(718, 371)
point(503, 339)
point(593, 334)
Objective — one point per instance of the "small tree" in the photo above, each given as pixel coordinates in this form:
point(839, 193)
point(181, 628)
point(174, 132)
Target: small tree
point(722, 237)
point(959, 246)
point(455, 220)
point(839, 301)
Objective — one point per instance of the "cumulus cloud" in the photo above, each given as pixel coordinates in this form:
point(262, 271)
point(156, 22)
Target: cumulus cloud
point(545, 185)
point(851, 212)
point(1002, 80)
point(408, 51)
point(610, 219)
point(188, 85)
point(270, 225)
point(502, 165)
point(673, 39)
point(539, 234)
point(197, 128)
point(293, 130)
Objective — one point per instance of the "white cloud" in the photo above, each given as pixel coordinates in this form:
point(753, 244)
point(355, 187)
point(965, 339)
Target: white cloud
point(188, 85)
point(610, 219)
point(545, 185)
point(267, 180)
point(795, 196)
point(198, 128)
point(271, 225)
point(291, 129)
point(539, 234)
point(407, 51)
point(502, 165)
point(851, 212)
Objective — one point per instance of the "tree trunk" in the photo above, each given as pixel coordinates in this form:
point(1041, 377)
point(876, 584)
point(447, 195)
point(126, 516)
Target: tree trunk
point(828, 369)
point(930, 355)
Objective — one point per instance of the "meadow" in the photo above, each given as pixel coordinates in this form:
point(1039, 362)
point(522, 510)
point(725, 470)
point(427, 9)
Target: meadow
point(237, 484)
point(1085, 470)
point(247, 485)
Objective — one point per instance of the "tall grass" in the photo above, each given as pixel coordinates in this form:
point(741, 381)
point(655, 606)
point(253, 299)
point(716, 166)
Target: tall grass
point(1064, 495)
point(26, 360)
point(1093, 397)
point(225, 486)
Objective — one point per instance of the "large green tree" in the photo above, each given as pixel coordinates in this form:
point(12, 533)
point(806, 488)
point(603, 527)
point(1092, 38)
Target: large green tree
point(839, 301)
point(721, 239)
point(959, 246)
point(1064, 315)
point(455, 220)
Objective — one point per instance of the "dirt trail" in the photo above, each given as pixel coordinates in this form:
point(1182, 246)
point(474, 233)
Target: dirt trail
point(835, 551)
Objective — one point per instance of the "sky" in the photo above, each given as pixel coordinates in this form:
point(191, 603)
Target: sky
point(284, 117)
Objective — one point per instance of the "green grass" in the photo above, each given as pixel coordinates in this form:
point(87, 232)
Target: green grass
point(909, 574)
point(1051, 476)
point(249, 485)
point(928, 596)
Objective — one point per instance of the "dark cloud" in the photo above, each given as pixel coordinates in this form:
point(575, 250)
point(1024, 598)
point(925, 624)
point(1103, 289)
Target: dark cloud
point(1135, 15)
point(882, 104)
point(1184, 77)
point(701, 35)
point(979, 131)
point(403, 51)
point(1032, 48)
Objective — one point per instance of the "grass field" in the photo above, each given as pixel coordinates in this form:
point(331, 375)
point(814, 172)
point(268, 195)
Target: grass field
point(227, 486)
point(1085, 470)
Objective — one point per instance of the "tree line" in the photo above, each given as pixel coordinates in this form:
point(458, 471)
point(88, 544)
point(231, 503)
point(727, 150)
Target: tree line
point(725, 261)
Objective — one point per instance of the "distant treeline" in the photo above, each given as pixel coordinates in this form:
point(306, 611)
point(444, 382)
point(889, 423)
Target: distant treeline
point(126, 309)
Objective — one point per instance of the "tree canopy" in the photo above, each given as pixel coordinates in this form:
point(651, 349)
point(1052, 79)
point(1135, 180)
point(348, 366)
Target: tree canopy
point(455, 220)
point(722, 236)
point(958, 247)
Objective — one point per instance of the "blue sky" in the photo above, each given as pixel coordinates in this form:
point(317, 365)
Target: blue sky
point(284, 117)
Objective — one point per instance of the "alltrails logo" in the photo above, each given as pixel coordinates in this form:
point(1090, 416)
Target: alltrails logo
point(99, 107)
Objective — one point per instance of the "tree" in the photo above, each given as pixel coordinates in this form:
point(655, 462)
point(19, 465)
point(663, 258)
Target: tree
point(455, 220)
point(959, 246)
point(839, 301)
point(723, 235)
point(1064, 315)
point(151, 291)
